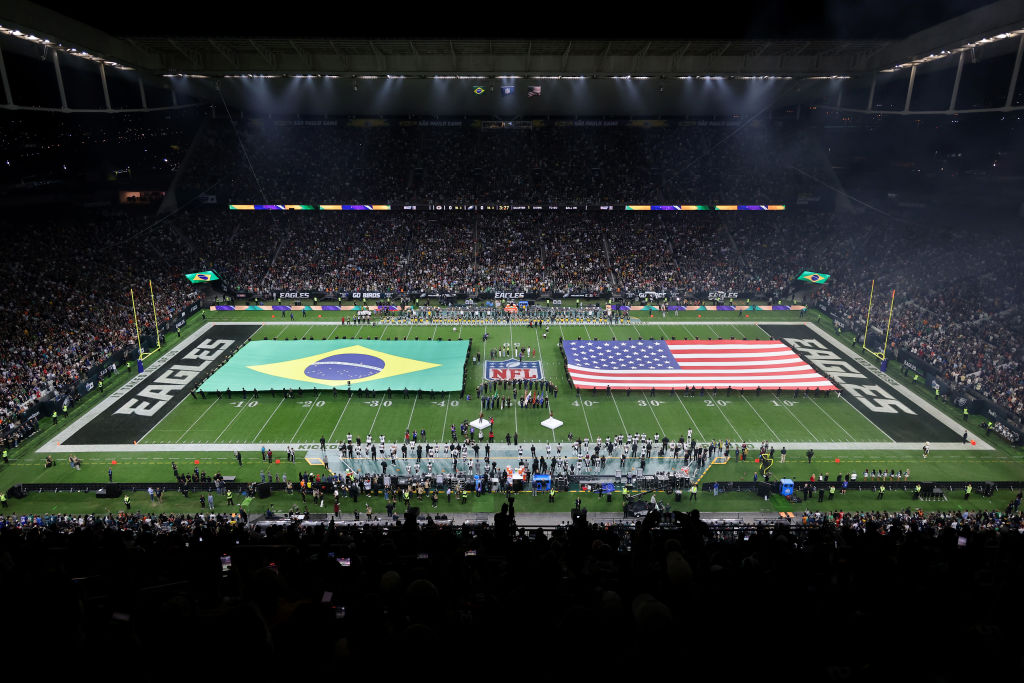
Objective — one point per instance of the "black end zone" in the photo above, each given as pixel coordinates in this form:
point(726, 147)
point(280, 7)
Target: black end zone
point(144, 401)
point(874, 397)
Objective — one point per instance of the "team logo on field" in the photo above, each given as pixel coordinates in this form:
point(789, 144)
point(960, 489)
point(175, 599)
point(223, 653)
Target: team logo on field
point(340, 367)
point(512, 369)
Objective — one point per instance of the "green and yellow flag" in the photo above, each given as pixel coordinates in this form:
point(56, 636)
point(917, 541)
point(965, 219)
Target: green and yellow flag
point(812, 277)
point(340, 363)
point(199, 278)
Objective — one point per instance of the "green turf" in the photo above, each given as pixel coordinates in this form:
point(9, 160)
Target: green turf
point(306, 418)
point(738, 502)
point(724, 416)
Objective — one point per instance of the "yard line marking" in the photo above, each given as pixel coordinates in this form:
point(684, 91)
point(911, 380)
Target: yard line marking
point(614, 402)
point(579, 398)
point(515, 409)
point(380, 404)
point(338, 423)
point(739, 333)
point(829, 416)
point(333, 331)
point(536, 333)
point(715, 402)
point(692, 421)
point(160, 421)
point(800, 421)
point(311, 404)
point(764, 421)
point(179, 440)
point(417, 396)
point(257, 437)
point(232, 420)
point(281, 331)
point(663, 432)
point(444, 423)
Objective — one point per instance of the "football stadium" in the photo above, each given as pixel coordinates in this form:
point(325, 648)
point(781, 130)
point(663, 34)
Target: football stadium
point(688, 320)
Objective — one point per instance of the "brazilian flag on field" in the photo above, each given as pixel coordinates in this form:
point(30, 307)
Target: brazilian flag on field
point(342, 363)
point(813, 278)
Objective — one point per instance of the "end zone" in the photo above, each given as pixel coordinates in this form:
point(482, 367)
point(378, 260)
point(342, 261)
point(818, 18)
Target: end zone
point(140, 404)
point(896, 410)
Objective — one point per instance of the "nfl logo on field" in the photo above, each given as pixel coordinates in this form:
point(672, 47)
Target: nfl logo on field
point(512, 369)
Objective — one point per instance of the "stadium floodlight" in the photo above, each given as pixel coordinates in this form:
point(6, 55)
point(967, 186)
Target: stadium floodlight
point(944, 53)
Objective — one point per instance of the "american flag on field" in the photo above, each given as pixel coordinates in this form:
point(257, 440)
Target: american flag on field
point(642, 364)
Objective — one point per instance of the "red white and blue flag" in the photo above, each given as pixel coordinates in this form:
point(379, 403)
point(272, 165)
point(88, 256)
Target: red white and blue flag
point(643, 364)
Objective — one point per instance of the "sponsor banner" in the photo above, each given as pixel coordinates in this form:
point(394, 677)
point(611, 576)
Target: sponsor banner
point(873, 394)
point(178, 321)
point(289, 308)
point(708, 308)
point(98, 372)
point(140, 405)
point(916, 364)
point(512, 369)
point(296, 295)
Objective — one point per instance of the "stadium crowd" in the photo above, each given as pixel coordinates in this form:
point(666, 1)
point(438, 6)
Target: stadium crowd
point(353, 592)
point(962, 319)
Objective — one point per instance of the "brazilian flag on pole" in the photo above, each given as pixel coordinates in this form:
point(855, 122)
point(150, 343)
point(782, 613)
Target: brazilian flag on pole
point(204, 276)
point(813, 278)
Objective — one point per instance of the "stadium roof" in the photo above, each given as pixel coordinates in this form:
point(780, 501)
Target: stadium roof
point(221, 55)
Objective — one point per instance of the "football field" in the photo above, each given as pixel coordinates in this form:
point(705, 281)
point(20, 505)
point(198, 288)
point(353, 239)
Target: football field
point(144, 422)
point(226, 420)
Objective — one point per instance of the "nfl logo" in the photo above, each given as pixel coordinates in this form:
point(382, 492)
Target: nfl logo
point(507, 89)
point(512, 369)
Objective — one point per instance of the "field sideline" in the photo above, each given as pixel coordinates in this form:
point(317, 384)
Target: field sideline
point(206, 429)
point(737, 417)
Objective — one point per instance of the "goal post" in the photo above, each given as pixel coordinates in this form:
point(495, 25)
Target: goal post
point(880, 355)
point(156, 324)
